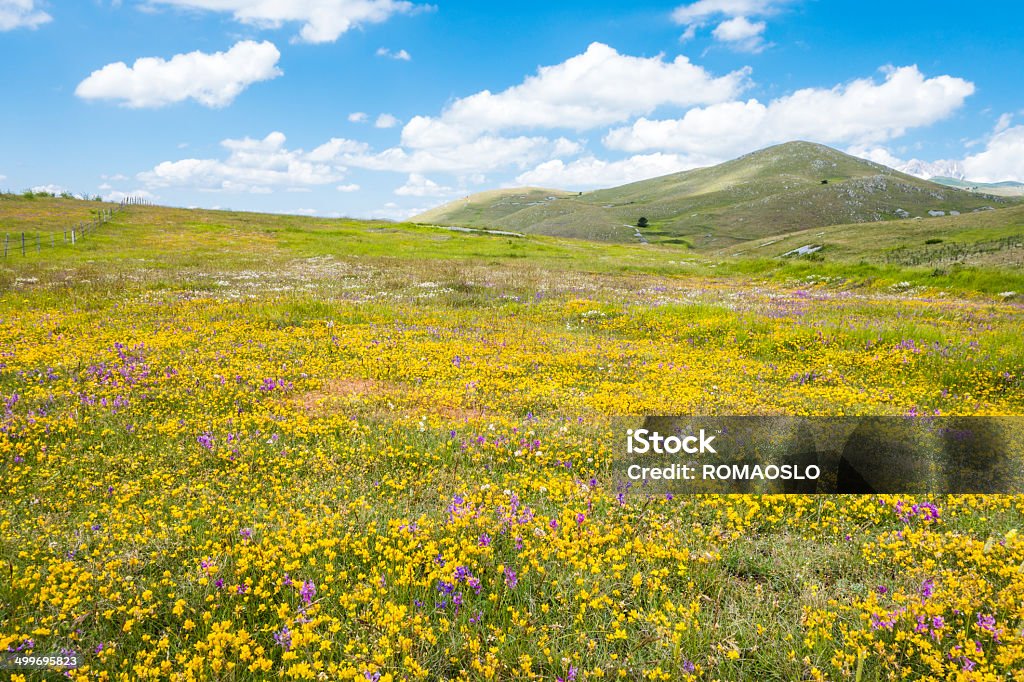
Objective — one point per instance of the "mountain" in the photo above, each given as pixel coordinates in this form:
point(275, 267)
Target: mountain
point(485, 207)
point(784, 188)
point(1002, 189)
point(928, 170)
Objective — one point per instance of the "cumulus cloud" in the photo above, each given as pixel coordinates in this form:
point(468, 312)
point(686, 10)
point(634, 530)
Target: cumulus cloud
point(393, 211)
point(590, 172)
point(386, 121)
point(400, 55)
point(335, 146)
point(742, 33)
point(487, 153)
point(117, 195)
point(859, 113)
point(595, 88)
point(255, 166)
point(358, 117)
point(420, 186)
point(21, 14)
point(880, 155)
point(1002, 159)
point(705, 9)
point(731, 19)
point(49, 189)
point(213, 80)
point(323, 21)
point(348, 188)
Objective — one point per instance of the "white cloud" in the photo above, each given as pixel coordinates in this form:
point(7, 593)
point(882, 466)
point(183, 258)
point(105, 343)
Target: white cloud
point(1003, 158)
point(213, 80)
point(21, 14)
point(878, 155)
point(704, 9)
point(50, 189)
point(595, 88)
point(485, 153)
point(591, 172)
point(741, 33)
point(386, 121)
point(734, 27)
point(305, 211)
point(400, 55)
point(322, 21)
point(357, 117)
point(392, 211)
point(254, 166)
point(333, 147)
point(348, 188)
point(738, 28)
point(420, 186)
point(118, 195)
point(862, 112)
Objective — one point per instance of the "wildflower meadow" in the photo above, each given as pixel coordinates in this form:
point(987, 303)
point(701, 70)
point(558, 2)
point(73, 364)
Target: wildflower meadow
point(241, 447)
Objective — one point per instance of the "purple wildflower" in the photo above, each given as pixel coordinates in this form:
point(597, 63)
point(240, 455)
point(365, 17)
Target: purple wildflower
point(284, 638)
point(308, 591)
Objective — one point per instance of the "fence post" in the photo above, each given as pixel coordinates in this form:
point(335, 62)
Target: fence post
point(7, 238)
point(72, 236)
point(37, 243)
point(22, 243)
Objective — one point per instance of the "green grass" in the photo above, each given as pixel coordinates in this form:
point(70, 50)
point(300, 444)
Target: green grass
point(145, 246)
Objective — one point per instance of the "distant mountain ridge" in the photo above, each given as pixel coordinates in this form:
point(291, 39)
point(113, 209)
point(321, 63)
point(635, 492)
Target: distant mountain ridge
point(926, 170)
point(787, 187)
point(1005, 189)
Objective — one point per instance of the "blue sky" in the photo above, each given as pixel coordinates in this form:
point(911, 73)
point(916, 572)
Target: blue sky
point(384, 107)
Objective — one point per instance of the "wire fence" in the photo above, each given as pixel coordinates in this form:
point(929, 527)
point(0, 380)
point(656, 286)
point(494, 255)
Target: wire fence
point(24, 243)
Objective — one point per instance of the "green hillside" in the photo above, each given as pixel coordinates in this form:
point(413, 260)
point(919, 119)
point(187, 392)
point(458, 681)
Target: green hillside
point(978, 252)
point(984, 238)
point(1002, 189)
point(777, 190)
point(483, 208)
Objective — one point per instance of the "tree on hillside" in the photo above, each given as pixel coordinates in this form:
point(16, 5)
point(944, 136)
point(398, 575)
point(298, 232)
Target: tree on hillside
point(642, 222)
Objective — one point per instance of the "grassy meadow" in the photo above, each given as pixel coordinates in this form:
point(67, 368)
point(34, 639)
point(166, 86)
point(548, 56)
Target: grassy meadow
point(247, 447)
